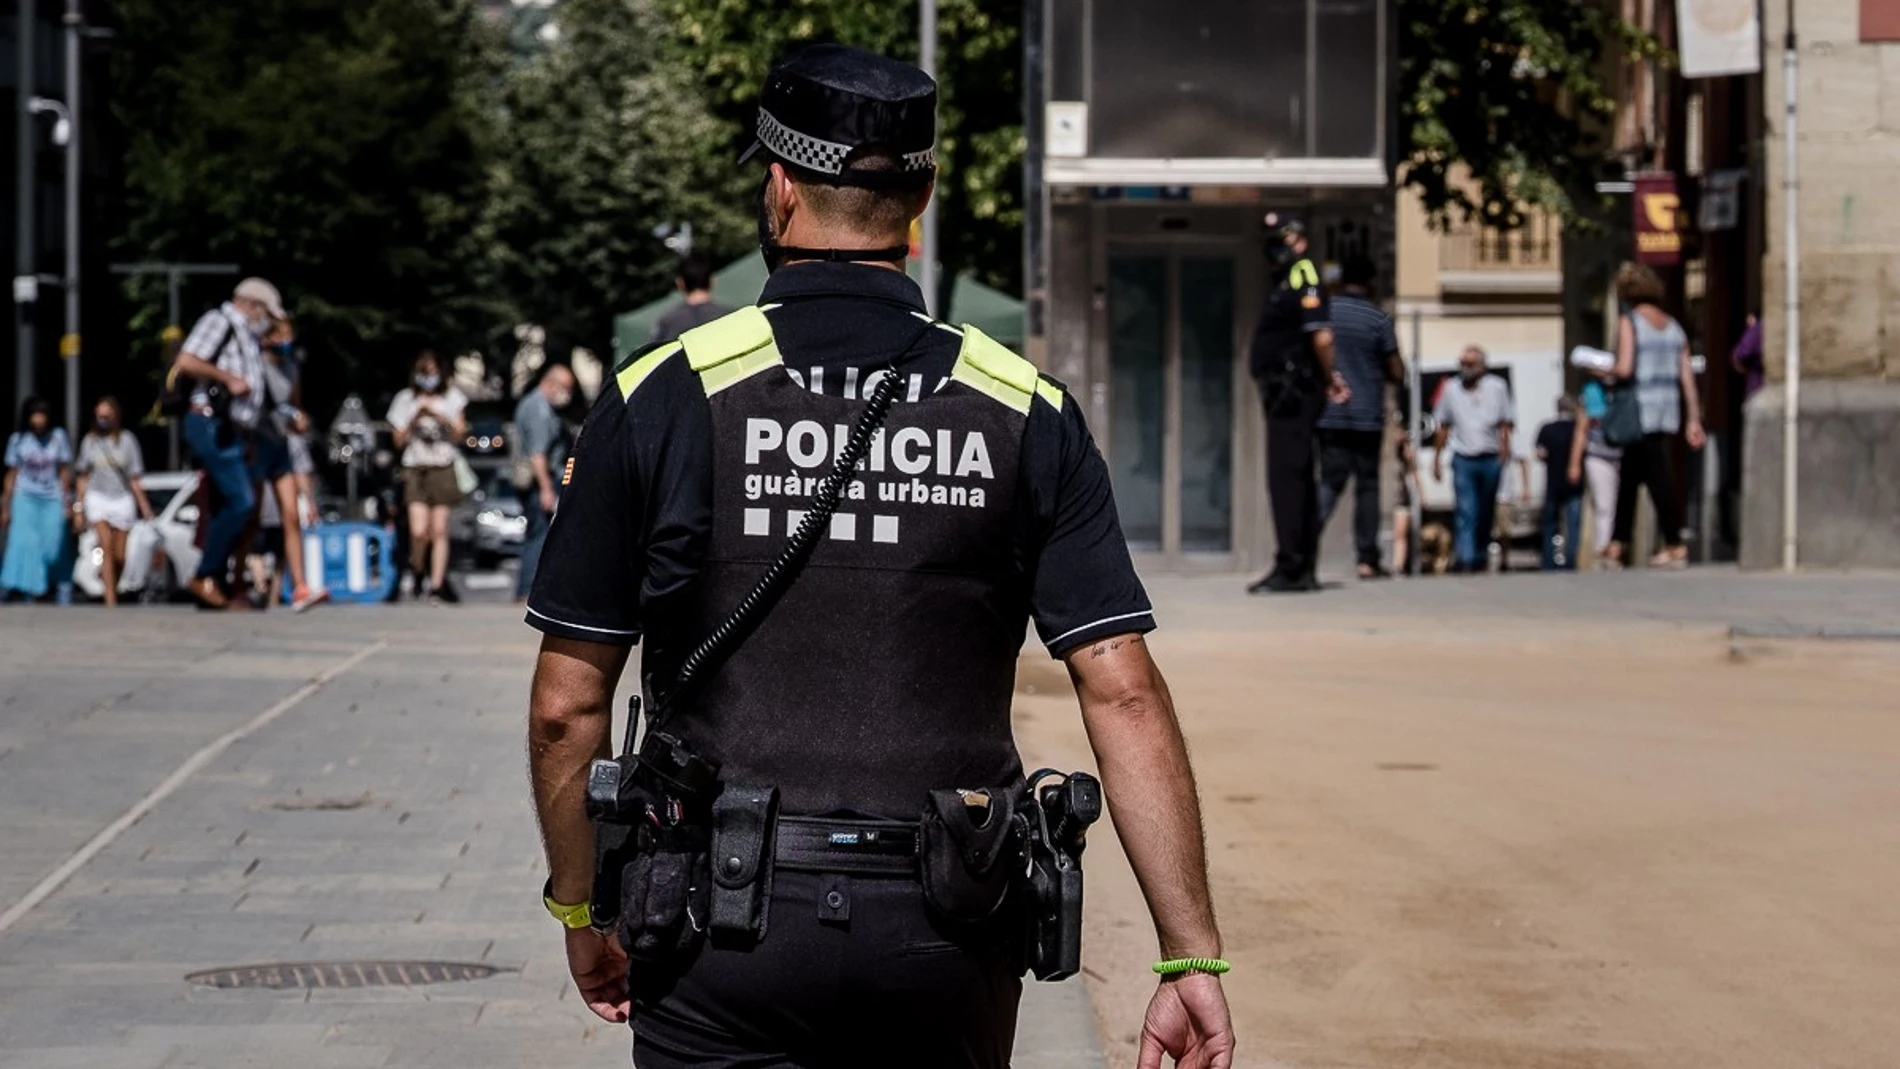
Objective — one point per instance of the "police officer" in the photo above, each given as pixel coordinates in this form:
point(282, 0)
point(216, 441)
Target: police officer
point(881, 681)
point(1292, 363)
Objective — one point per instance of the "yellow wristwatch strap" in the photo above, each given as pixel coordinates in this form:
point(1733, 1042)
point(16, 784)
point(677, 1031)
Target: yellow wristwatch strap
point(570, 916)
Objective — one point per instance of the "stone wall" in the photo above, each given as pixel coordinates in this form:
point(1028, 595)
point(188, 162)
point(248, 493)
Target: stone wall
point(1849, 492)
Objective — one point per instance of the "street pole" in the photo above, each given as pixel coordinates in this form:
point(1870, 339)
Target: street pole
point(927, 59)
point(26, 268)
point(70, 345)
point(1414, 389)
point(1791, 301)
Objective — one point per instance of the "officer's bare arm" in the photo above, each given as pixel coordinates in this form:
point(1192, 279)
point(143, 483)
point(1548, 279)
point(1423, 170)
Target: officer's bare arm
point(570, 722)
point(1150, 789)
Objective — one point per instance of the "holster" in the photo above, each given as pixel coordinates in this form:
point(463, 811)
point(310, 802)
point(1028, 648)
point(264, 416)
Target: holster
point(970, 848)
point(743, 817)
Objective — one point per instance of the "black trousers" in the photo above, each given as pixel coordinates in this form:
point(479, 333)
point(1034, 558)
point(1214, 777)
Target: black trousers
point(1650, 462)
point(852, 973)
point(1353, 455)
point(1292, 482)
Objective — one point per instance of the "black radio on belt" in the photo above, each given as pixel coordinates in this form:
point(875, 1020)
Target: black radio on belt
point(1059, 814)
point(659, 796)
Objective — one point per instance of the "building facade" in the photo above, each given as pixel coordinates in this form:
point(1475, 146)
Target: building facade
point(1848, 236)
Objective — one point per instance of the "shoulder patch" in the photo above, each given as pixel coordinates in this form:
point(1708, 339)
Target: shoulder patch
point(640, 368)
point(1302, 275)
point(731, 349)
point(990, 368)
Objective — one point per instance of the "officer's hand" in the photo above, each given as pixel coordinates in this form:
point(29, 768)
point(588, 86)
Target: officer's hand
point(1188, 1020)
point(599, 966)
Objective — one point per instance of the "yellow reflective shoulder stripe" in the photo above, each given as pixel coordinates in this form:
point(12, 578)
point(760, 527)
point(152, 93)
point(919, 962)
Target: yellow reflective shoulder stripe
point(731, 349)
point(1302, 275)
point(631, 376)
point(1049, 392)
point(988, 367)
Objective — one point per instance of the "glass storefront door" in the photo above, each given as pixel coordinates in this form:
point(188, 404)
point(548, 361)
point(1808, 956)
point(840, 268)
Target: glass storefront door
point(1171, 378)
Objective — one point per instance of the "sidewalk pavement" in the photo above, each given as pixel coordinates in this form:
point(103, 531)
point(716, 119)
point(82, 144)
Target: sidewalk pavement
point(379, 814)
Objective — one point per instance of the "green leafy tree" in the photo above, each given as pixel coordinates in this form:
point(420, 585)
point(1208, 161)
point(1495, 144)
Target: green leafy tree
point(733, 43)
point(334, 146)
point(603, 135)
point(1513, 95)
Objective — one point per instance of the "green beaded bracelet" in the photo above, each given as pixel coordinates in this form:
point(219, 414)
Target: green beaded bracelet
point(1177, 966)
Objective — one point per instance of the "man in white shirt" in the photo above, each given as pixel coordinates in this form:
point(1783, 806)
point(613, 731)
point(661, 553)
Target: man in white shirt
point(1475, 416)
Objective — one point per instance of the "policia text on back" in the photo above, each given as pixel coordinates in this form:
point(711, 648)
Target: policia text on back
point(681, 855)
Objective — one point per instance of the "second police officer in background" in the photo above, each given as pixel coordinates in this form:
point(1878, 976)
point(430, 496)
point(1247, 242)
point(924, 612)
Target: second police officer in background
point(879, 687)
point(1292, 363)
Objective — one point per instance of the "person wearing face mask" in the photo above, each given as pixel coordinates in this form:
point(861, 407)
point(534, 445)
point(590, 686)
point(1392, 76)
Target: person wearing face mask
point(109, 495)
point(281, 450)
point(223, 355)
point(426, 419)
point(542, 436)
point(1292, 362)
point(39, 476)
point(1475, 416)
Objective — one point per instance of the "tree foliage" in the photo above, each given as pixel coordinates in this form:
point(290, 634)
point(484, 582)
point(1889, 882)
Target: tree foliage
point(733, 43)
point(603, 134)
point(1514, 96)
point(330, 145)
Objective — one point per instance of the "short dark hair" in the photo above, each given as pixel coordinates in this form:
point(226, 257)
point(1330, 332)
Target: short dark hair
point(857, 208)
point(696, 272)
point(1358, 271)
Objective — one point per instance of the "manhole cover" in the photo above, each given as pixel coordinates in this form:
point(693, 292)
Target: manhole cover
point(312, 974)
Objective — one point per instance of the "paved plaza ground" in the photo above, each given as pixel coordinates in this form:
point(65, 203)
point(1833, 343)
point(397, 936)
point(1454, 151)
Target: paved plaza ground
point(1592, 821)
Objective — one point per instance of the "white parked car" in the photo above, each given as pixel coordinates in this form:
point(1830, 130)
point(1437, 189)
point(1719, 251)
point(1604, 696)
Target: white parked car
point(159, 555)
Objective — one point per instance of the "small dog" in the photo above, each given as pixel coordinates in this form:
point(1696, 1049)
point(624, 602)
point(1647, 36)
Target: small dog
point(1434, 548)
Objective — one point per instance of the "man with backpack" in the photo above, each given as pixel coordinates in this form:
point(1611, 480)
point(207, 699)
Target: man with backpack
point(222, 357)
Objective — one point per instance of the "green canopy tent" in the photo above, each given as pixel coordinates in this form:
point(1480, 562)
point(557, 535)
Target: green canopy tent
point(991, 311)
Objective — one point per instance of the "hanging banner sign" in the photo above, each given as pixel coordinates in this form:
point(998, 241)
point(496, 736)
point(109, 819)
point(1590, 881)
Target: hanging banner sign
point(1658, 223)
point(1718, 37)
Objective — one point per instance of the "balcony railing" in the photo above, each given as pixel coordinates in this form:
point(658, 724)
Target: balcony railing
point(1480, 259)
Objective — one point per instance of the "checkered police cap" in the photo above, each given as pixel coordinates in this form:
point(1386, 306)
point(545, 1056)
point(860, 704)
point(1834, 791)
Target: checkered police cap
point(829, 101)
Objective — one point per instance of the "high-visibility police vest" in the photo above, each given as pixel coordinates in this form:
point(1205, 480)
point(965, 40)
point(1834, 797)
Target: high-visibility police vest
point(887, 668)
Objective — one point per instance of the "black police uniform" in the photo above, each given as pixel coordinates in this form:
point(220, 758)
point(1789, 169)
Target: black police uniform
point(887, 668)
point(1293, 396)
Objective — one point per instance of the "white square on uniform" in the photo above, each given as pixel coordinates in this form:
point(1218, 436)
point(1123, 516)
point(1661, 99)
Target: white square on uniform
point(758, 521)
point(844, 527)
point(884, 529)
point(793, 517)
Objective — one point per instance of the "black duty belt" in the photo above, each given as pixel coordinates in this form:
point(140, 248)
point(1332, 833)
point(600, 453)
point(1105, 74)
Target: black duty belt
point(851, 847)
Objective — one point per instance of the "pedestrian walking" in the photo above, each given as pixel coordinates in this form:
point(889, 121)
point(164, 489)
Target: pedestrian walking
point(1561, 529)
point(1652, 357)
point(281, 437)
point(1352, 431)
point(1291, 359)
point(39, 484)
point(696, 306)
point(222, 354)
point(110, 499)
point(1475, 416)
point(541, 435)
point(867, 904)
point(427, 420)
point(1596, 463)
